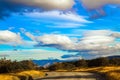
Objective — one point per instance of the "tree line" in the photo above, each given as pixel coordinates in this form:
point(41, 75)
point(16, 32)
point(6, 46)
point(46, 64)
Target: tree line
point(7, 66)
point(98, 62)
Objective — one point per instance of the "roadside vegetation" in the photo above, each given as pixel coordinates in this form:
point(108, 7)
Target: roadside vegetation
point(19, 70)
point(111, 72)
point(110, 68)
point(73, 65)
point(24, 75)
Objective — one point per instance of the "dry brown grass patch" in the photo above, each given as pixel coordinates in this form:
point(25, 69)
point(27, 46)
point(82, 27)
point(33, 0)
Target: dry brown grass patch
point(112, 73)
point(25, 75)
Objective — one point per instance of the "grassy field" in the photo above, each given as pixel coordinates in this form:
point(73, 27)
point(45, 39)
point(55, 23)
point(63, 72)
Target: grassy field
point(112, 73)
point(25, 75)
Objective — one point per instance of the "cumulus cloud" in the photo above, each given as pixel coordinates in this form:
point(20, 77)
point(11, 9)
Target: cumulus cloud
point(10, 38)
point(97, 37)
point(103, 43)
point(100, 42)
point(58, 41)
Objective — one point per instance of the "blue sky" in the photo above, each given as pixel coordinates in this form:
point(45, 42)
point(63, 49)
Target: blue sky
point(66, 29)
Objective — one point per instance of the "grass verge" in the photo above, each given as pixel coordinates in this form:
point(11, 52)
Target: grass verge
point(25, 75)
point(111, 73)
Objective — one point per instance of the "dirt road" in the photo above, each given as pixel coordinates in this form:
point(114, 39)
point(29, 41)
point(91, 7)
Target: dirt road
point(72, 76)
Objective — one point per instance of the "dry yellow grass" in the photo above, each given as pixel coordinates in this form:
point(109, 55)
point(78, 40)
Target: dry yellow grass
point(25, 75)
point(8, 77)
point(113, 76)
point(32, 73)
point(112, 73)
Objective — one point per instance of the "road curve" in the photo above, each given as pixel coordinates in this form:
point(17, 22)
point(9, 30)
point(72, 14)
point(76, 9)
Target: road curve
point(72, 76)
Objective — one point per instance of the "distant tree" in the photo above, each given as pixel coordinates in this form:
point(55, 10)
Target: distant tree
point(7, 66)
point(63, 66)
point(52, 67)
point(81, 63)
point(40, 68)
point(27, 64)
point(68, 66)
point(103, 61)
point(115, 61)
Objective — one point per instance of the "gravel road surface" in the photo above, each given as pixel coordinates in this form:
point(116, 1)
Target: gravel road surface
point(72, 76)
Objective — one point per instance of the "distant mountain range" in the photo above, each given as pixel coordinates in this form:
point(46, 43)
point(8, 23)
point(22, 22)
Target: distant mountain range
point(115, 56)
point(47, 62)
point(51, 61)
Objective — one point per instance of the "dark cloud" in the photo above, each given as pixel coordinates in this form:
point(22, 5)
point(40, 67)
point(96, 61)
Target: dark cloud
point(48, 45)
point(96, 8)
point(7, 7)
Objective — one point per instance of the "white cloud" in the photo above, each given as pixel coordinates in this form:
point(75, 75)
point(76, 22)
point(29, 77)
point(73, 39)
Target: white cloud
point(47, 4)
point(54, 15)
point(66, 25)
point(58, 19)
point(32, 37)
point(102, 44)
point(11, 38)
point(96, 40)
point(97, 37)
point(54, 39)
point(97, 32)
point(58, 41)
